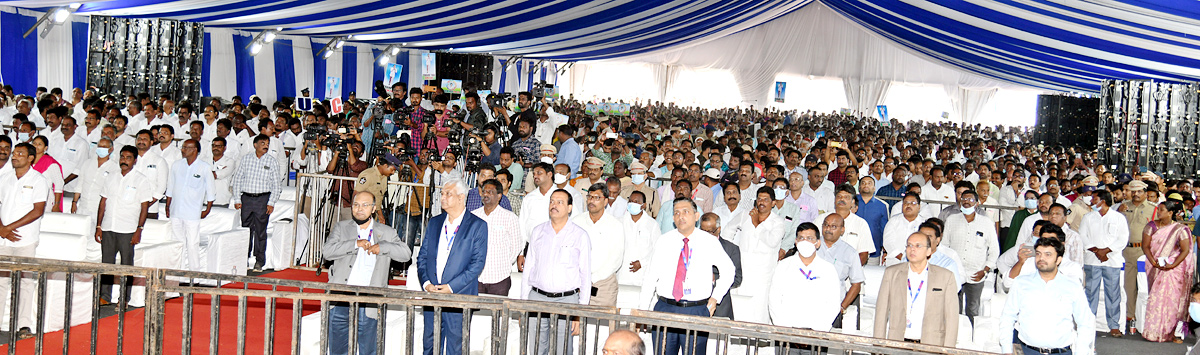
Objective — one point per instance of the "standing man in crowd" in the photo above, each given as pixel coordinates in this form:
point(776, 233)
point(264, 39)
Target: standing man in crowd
point(607, 236)
point(711, 223)
point(925, 313)
point(223, 165)
point(557, 269)
point(362, 251)
point(256, 187)
point(1049, 308)
point(190, 187)
point(535, 206)
point(1105, 233)
point(693, 290)
point(805, 289)
point(503, 240)
point(974, 236)
point(1138, 213)
point(120, 216)
point(758, 237)
point(24, 192)
point(451, 259)
point(844, 258)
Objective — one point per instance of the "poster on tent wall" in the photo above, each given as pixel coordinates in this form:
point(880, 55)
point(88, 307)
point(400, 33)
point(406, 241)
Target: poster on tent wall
point(780, 87)
point(333, 87)
point(392, 73)
point(428, 66)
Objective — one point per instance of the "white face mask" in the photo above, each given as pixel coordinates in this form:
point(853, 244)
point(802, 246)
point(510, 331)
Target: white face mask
point(547, 160)
point(560, 179)
point(1087, 200)
point(780, 193)
point(638, 179)
point(635, 208)
point(806, 248)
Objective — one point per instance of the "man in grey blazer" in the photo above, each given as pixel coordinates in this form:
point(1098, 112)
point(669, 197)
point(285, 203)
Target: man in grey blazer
point(362, 252)
point(917, 301)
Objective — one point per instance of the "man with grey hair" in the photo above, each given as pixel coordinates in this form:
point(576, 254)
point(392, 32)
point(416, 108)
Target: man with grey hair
point(451, 259)
point(624, 342)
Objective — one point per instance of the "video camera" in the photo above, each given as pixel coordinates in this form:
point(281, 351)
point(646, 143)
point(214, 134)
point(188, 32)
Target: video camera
point(498, 99)
point(331, 139)
point(539, 90)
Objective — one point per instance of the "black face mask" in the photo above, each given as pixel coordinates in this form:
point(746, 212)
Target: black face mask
point(360, 221)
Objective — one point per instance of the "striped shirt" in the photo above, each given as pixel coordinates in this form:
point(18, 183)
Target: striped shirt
point(257, 175)
point(504, 243)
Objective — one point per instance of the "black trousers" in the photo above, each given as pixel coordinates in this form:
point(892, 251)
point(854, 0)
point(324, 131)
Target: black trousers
point(112, 243)
point(255, 217)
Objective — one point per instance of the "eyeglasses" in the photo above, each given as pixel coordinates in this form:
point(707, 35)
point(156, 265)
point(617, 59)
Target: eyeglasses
point(363, 205)
point(915, 246)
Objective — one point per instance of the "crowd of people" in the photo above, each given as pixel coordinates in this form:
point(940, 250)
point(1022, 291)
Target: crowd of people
point(784, 208)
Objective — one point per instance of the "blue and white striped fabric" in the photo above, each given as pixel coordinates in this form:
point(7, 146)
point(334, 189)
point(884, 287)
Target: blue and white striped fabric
point(1058, 45)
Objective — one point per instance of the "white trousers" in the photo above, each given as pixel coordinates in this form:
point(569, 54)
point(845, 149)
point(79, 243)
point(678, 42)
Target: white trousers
point(26, 295)
point(188, 232)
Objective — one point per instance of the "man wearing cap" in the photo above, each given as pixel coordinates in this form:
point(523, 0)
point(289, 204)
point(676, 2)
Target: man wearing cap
point(1082, 204)
point(546, 154)
point(375, 180)
point(712, 181)
point(593, 169)
point(640, 183)
point(1138, 213)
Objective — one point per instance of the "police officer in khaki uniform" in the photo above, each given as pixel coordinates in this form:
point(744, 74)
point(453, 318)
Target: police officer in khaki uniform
point(375, 180)
point(1138, 212)
point(595, 172)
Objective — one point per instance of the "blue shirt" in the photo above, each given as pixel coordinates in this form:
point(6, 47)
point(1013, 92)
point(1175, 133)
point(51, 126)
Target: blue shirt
point(875, 212)
point(890, 191)
point(474, 201)
point(570, 154)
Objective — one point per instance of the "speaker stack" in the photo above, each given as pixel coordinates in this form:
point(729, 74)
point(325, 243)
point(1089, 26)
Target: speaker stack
point(470, 68)
point(129, 56)
point(1147, 125)
point(1066, 121)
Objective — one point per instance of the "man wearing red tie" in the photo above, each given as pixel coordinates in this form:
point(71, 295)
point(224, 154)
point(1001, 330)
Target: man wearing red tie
point(681, 274)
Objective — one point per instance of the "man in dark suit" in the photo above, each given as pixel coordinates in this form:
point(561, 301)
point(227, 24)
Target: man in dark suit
point(361, 251)
point(917, 301)
point(711, 223)
point(451, 259)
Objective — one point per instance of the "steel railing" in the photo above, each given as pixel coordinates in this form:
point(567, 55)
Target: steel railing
point(500, 315)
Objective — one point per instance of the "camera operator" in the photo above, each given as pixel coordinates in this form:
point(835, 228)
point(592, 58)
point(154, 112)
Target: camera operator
point(441, 128)
point(524, 107)
point(525, 144)
point(491, 145)
point(475, 114)
point(353, 167)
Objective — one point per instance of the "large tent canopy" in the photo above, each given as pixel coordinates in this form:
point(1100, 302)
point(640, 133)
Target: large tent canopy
point(970, 47)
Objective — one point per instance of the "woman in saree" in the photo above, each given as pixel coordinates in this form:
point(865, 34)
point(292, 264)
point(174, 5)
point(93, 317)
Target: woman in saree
point(1167, 245)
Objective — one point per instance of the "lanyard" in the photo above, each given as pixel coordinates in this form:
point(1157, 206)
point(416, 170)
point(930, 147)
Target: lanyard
point(687, 257)
point(450, 240)
point(914, 296)
point(807, 274)
point(369, 234)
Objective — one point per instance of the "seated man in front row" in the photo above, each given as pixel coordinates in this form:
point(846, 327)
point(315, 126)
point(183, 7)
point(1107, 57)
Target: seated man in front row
point(362, 252)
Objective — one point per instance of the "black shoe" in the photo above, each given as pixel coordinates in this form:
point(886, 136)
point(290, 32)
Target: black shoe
point(24, 333)
point(258, 267)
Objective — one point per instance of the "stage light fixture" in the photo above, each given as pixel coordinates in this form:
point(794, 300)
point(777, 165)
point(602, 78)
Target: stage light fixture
point(339, 44)
point(383, 60)
point(57, 16)
point(331, 46)
point(395, 50)
point(255, 48)
point(387, 54)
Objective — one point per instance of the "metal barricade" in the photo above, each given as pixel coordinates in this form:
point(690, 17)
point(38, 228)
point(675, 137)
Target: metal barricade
point(325, 200)
point(508, 327)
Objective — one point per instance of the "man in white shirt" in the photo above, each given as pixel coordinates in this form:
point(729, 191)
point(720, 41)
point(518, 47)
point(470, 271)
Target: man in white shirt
point(120, 216)
point(926, 313)
point(805, 289)
point(936, 190)
point(900, 227)
point(93, 174)
point(535, 206)
point(1105, 234)
point(758, 237)
point(681, 274)
point(153, 167)
point(731, 211)
point(1021, 254)
point(190, 187)
point(820, 189)
point(73, 150)
point(1049, 308)
point(24, 192)
point(607, 235)
point(166, 147)
point(857, 233)
point(223, 167)
point(641, 233)
point(974, 236)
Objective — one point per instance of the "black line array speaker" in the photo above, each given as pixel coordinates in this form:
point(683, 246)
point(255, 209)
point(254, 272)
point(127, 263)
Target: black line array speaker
point(1066, 121)
point(155, 56)
point(1150, 125)
point(470, 68)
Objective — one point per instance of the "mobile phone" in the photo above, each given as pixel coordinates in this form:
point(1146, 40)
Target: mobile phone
point(610, 135)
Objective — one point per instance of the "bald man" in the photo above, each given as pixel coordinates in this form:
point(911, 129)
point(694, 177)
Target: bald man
point(624, 342)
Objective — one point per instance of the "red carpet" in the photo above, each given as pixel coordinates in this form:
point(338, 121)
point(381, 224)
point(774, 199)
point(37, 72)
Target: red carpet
point(106, 339)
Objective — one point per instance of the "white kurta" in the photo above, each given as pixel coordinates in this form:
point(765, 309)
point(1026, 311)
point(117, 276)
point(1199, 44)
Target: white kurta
point(760, 253)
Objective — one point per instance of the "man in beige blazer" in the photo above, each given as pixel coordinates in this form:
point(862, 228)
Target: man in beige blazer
point(918, 302)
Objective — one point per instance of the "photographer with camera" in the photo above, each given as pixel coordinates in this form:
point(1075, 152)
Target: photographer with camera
point(476, 118)
point(524, 107)
point(345, 163)
point(491, 145)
